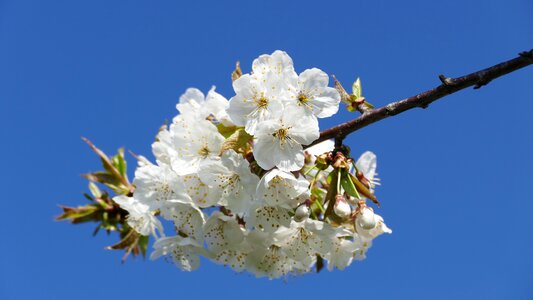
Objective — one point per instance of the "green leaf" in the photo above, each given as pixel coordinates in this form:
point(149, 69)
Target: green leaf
point(130, 238)
point(108, 165)
point(88, 197)
point(95, 190)
point(330, 177)
point(77, 213)
point(348, 185)
point(238, 141)
point(361, 188)
point(226, 131)
point(109, 180)
point(119, 162)
point(143, 244)
point(357, 90)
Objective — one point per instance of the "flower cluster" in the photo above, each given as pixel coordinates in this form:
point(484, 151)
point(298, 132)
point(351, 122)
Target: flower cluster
point(239, 188)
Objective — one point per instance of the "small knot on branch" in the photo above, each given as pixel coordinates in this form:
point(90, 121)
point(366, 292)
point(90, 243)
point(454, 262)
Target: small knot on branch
point(527, 54)
point(483, 80)
point(447, 81)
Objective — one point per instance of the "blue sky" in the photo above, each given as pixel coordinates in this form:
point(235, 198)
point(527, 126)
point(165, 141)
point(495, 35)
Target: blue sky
point(456, 177)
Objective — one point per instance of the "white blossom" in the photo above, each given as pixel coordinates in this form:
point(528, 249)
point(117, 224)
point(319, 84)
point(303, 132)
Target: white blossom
point(199, 192)
point(183, 251)
point(252, 208)
point(194, 142)
point(157, 186)
point(231, 178)
point(367, 164)
point(268, 218)
point(321, 148)
point(374, 232)
point(312, 96)
point(193, 105)
point(302, 241)
point(255, 101)
point(279, 142)
point(279, 188)
point(268, 259)
point(162, 147)
point(226, 242)
point(140, 217)
point(279, 62)
point(188, 219)
point(302, 212)
point(222, 232)
point(342, 253)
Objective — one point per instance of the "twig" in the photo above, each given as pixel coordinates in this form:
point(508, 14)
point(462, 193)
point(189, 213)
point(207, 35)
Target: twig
point(448, 86)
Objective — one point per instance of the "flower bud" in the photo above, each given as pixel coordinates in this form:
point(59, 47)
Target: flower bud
point(342, 208)
point(322, 161)
point(366, 219)
point(301, 213)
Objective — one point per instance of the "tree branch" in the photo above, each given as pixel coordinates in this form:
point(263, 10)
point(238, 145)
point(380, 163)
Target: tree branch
point(448, 86)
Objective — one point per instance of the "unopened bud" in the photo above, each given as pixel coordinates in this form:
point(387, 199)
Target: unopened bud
point(366, 219)
point(322, 161)
point(301, 213)
point(342, 208)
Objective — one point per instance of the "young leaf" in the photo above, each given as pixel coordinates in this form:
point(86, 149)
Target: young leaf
point(237, 73)
point(357, 89)
point(349, 186)
point(238, 141)
point(363, 189)
point(108, 165)
point(95, 190)
point(119, 162)
point(226, 131)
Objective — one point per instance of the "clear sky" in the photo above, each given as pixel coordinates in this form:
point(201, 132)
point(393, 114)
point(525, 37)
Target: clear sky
point(457, 183)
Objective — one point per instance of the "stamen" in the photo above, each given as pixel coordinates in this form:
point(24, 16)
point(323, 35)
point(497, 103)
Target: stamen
point(204, 151)
point(302, 99)
point(261, 101)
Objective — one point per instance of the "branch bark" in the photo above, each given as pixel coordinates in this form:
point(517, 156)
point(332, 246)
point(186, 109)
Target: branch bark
point(422, 100)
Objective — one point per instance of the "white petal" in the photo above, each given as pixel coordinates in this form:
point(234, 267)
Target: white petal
point(264, 149)
point(270, 218)
point(183, 251)
point(321, 148)
point(187, 218)
point(306, 131)
point(312, 81)
point(191, 101)
point(278, 62)
point(222, 232)
point(200, 192)
point(367, 164)
point(326, 104)
point(278, 188)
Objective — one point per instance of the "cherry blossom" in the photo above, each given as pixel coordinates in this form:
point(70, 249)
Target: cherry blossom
point(278, 142)
point(233, 180)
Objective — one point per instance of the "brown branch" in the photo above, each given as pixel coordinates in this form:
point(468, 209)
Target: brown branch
point(448, 86)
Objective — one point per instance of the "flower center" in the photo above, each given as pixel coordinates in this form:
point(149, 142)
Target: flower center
point(282, 134)
point(261, 101)
point(204, 151)
point(302, 99)
point(276, 180)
